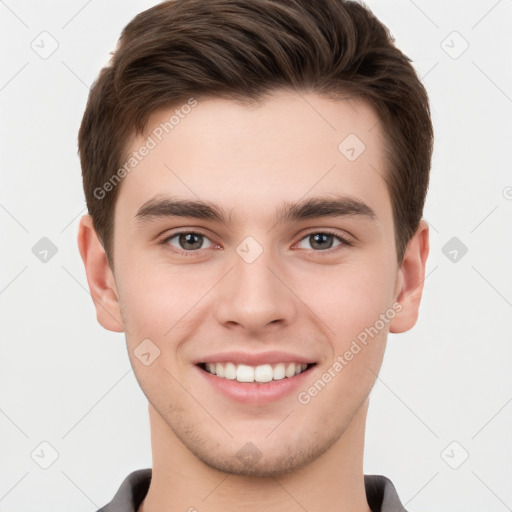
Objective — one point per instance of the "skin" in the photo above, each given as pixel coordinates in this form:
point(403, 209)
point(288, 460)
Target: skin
point(294, 297)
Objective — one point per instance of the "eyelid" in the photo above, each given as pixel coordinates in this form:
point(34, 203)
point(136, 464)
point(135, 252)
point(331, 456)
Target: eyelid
point(344, 239)
point(183, 231)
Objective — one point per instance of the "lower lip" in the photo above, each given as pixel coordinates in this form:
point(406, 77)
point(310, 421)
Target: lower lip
point(255, 392)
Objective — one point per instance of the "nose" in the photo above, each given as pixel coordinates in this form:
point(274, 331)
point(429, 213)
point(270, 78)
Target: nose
point(254, 296)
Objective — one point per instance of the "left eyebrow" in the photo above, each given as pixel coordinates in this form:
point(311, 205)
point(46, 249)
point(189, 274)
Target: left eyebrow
point(338, 206)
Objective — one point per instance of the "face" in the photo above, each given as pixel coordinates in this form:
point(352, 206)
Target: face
point(257, 243)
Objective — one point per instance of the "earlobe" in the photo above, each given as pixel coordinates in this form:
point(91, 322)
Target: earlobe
point(99, 276)
point(410, 280)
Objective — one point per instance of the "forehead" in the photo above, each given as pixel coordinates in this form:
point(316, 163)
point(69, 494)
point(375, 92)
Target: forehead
point(251, 156)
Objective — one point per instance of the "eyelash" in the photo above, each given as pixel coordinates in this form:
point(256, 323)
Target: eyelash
point(343, 240)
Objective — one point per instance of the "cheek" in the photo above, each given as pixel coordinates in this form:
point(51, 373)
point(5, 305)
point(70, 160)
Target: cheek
point(358, 315)
point(353, 298)
point(158, 299)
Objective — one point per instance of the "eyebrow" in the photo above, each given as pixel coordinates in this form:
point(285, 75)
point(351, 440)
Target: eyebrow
point(338, 206)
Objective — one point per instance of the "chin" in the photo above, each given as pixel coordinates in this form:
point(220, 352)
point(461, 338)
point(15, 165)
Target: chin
point(250, 461)
point(262, 457)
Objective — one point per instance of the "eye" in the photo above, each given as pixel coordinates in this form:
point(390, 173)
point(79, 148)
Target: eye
point(320, 241)
point(188, 241)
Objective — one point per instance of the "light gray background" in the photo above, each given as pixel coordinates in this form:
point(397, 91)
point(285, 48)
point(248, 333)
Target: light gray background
point(67, 382)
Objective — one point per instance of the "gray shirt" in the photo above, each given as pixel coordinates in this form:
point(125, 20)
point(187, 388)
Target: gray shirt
point(380, 493)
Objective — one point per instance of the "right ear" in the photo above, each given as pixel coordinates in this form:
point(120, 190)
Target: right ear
point(99, 277)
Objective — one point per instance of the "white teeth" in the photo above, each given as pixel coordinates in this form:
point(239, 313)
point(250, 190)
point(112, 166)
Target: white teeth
point(219, 369)
point(261, 373)
point(290, 370)
point(244, 373)
point(279, 371)
point(230, 371)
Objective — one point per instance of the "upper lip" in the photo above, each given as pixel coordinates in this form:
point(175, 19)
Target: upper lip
point(254, 359)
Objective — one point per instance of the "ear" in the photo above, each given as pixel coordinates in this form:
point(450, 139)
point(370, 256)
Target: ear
point(410, 278)
point(99, 277)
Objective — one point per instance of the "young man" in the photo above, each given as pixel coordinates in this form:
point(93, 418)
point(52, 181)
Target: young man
point(255, 173)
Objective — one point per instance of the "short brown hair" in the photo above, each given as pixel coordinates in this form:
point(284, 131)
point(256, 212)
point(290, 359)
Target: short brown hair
point(244, 50)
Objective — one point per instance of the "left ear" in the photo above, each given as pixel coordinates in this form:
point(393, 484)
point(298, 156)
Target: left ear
point(410, 278)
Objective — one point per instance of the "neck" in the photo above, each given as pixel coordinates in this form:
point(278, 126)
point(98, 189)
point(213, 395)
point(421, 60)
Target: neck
point(181, 482)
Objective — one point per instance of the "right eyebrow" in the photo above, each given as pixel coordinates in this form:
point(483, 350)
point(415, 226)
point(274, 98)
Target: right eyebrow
point(168, 207)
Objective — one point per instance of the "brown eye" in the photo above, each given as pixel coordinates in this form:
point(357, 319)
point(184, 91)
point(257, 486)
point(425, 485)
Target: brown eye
point(321, 241)
point(188, 241)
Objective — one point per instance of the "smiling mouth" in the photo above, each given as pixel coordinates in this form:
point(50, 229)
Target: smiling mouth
point(260, 374)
